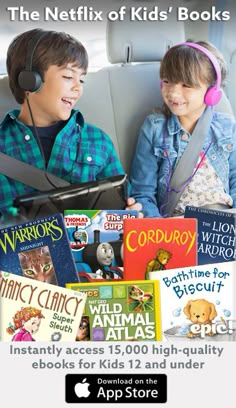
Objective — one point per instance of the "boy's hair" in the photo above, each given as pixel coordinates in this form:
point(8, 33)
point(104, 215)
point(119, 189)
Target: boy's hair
point(55, 48)
point(190, 66)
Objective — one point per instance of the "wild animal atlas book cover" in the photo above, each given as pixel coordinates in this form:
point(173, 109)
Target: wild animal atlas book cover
point(38, 250)
point(96, 239)
point(198, 302)
point(216, 234)
point(153, 244)
point(37, 311)
point(120, 310)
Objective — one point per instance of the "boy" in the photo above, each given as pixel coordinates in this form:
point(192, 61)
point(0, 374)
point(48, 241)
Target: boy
point(70, 148)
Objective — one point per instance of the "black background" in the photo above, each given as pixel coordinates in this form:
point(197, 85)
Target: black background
point(160, 385)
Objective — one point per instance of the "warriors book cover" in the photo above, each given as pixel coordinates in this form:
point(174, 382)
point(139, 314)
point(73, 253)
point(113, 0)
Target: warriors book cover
point(96, 240)
point(198, 302)
point(216, 234)
point(120, 310)
point(39, 250)
point(36, 311)
point(155, 244)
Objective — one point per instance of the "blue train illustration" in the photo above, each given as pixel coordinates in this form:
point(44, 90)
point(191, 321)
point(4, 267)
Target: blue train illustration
point(101, 260)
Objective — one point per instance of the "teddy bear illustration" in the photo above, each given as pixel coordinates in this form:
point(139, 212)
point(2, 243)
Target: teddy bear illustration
point(159, 263)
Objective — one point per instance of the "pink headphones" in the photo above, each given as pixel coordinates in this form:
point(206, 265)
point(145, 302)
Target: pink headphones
point(213, 93)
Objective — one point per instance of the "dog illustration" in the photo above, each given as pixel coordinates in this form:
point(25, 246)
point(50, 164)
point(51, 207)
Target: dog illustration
point(200, 311)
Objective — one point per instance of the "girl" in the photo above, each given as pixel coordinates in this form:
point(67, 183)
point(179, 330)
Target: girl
point(28, 320)
point(189, 72)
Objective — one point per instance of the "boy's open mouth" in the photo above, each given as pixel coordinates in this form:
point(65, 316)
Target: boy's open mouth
point(68, 101)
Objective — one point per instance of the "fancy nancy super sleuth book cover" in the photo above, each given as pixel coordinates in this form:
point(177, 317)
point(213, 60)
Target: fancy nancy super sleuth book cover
point(32, 310)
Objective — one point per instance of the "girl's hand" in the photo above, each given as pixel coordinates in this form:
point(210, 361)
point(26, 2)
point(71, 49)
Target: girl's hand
point(132, 205)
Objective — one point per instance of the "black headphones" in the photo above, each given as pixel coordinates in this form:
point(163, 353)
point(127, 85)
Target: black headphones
point(29, 80)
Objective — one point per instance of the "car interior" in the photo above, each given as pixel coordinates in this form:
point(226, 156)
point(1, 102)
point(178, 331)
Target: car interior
point(119, 96)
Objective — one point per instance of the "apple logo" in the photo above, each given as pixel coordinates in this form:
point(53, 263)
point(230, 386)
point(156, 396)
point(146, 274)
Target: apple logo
point(81, 389)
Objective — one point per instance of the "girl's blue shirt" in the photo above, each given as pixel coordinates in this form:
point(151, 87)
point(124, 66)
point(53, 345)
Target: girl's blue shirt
point(151, 168)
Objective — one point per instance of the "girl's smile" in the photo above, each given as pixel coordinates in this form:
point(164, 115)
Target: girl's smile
point(184, 101)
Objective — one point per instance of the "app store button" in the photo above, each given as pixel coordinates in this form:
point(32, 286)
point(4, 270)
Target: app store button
point(116, 388)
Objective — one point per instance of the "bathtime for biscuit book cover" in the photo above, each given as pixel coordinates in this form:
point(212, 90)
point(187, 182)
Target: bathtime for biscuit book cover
point(120, 310)
point(198, 302)
point(37, 311)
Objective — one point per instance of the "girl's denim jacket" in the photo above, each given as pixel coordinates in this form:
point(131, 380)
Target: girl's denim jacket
point(151, 168)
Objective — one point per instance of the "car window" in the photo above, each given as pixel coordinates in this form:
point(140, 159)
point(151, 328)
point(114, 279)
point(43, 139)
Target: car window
point(91, 33)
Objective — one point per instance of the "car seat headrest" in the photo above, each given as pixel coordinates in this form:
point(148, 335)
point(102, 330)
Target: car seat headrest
point(142, 41)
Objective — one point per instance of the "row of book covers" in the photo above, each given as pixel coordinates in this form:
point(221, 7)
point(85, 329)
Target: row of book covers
point(97, 275)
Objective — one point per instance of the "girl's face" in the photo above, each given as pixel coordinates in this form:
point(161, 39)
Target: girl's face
point(32, 325)
point(184, 101)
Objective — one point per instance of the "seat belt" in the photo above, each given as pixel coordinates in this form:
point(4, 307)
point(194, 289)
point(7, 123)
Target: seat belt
point(186, 164)
point(28, 174)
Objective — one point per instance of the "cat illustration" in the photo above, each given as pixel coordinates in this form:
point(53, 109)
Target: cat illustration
point(37, 264)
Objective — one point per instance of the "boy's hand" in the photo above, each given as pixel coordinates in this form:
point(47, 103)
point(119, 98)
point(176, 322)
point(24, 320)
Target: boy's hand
point(132, 205)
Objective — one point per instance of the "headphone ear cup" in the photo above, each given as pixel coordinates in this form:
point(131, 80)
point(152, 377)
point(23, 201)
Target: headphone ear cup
point(212, 96)
point(30, 81)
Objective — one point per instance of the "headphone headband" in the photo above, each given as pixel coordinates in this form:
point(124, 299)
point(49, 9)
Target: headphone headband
point(35, 40)
point(214, 92)
point(28, 79)
point(210, 56)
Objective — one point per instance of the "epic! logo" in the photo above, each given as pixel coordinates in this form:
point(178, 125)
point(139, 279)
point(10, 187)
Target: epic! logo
point(221, 328)
point(113, 388)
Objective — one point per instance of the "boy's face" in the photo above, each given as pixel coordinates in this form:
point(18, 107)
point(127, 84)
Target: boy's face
point(184, 101)
point(61, 89)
